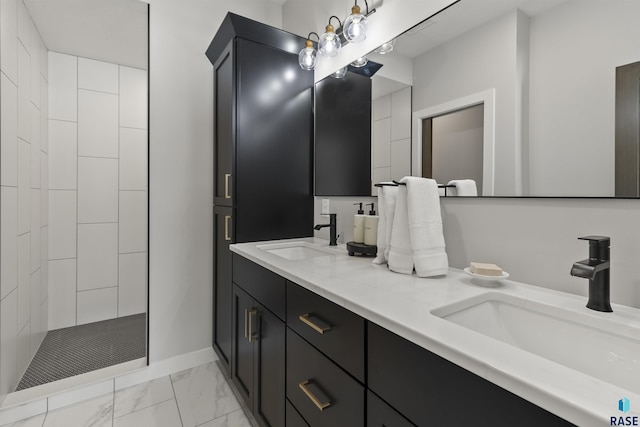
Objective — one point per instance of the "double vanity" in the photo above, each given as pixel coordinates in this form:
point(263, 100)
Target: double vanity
point(359, 345)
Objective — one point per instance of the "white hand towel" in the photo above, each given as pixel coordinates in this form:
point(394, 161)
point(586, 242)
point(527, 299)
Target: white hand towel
point(400, 257)
point(425, 227)
point(463, 187)
point(387, 196)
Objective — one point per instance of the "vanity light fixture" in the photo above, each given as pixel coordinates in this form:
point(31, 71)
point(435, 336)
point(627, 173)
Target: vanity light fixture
point(308, 57)
point(360, 62)
point(355, 26)
point(329, 43)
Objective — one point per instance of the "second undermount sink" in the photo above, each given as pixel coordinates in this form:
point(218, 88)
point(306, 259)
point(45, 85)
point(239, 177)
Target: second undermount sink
point(296, 250)
point(593, 344)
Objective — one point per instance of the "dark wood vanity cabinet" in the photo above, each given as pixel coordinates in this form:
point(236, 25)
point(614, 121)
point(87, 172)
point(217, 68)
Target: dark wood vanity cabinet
point(258, 349)
point(430, 390)
point(263, 149)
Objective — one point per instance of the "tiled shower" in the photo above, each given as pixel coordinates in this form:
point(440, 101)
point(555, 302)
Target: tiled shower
point(73, 188)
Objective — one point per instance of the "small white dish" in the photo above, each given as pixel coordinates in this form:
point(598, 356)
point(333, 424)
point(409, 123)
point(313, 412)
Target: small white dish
point(486, 278)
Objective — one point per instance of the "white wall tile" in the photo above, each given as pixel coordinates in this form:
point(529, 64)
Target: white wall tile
point(9, 343)
point(380, 175)
point(63, 155)
point(400, 159)
point(96, 305)
point(132, 284)
point(62, 224)
point(381, 108)
point(133, 98)
point(24, 348)
point(97, 124)
point(97, 75)
point(97, 190)
point(35, 230)
point(62, 293)
point(8, 131)
point(133, 221)
point(63, 87)
point(24, 179)
point(35, 57)
point(9, 38)
point(401, 114)
point(44, 114)
point(44, 189)
point(44, 63)
point(381, 141)
point(97, 256)
point(24, 280)
point(24, 101)
point(8, 240)
point(34, 141)
point(24, 25)
point(37, 334)
point(133, 159)
point(44, 263)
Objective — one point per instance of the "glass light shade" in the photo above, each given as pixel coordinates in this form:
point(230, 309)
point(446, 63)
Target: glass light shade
point(385, 48)
point(360, 62)
point(308, 58)
point(329, 43)
point(340, 73)
point(355, 26)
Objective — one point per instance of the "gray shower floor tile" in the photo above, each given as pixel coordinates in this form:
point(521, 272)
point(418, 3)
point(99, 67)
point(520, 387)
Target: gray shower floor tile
point(80, 349)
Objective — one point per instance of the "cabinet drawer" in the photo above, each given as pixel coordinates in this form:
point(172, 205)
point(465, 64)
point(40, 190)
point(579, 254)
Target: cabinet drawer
point(430, 390)
point(266, 287)
point(294, 419)
point(379, 414)
point(337, 332)
point(322, 393)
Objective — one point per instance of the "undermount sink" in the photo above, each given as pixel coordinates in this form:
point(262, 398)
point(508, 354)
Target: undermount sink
point(605, 349)
point(295, 250)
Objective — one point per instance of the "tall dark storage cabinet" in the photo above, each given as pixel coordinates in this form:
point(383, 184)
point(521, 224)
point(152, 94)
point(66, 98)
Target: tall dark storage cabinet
point(263, 155)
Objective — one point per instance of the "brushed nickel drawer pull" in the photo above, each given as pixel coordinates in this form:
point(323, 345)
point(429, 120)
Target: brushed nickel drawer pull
point(306, 386)
point(226, 185)
point(252, 337)
point(317, 324)
point(227, 218)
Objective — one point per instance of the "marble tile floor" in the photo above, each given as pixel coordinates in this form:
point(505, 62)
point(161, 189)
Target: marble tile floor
point(197, 397)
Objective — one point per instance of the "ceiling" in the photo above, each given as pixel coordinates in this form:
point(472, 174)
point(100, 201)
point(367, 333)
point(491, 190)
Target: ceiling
point(106, 30)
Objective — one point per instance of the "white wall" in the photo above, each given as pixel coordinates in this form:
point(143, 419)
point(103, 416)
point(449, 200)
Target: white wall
point(23, 192)
point(575, 49)
point(181, 168)
point(97, 190)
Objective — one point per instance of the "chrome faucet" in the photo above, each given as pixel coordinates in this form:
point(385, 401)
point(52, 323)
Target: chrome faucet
point(596, 269)
point(333, 238)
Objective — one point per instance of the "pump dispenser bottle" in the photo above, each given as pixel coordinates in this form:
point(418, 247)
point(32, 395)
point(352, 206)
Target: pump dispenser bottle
point(358, 225)
point(371, 227)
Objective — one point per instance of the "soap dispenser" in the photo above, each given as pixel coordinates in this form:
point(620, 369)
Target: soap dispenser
point(358, 225)
point(371, 227)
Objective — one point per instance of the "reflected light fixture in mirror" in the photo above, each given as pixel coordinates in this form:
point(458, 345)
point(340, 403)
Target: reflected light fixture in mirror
point(308, 56)
point(360, 62)
point(386, 47)
point(340, 73)
point(329, 43)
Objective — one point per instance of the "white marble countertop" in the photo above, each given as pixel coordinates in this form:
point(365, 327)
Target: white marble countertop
point(402, 304)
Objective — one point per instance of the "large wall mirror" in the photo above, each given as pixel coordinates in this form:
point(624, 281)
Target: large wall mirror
point(526, 97)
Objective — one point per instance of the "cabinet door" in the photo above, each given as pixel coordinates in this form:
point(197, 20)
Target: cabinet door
point(222, 316)
point(379, 414)
point(242, 366)
point(224, 126)
point(269, 373)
